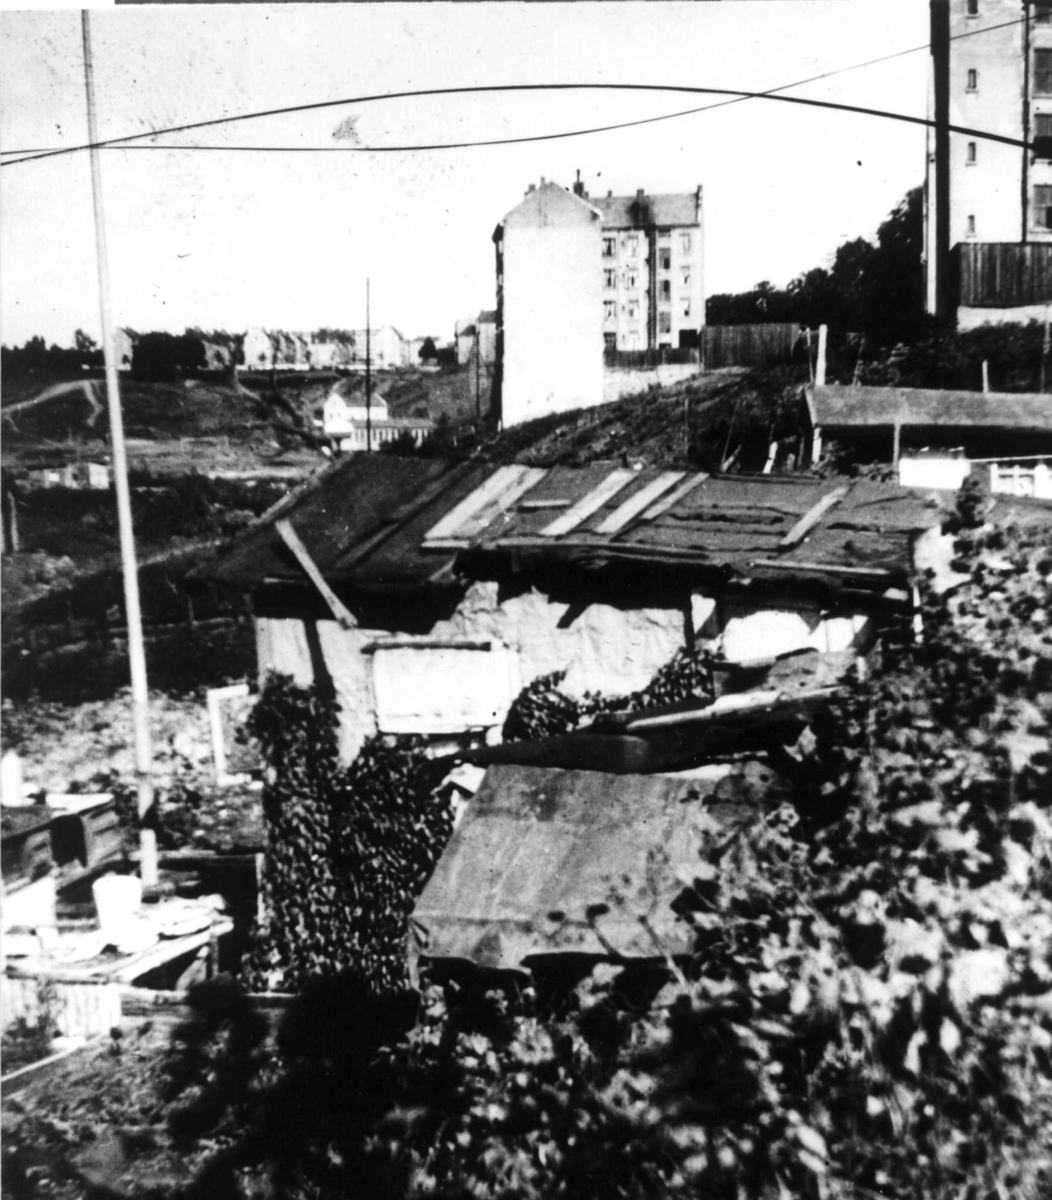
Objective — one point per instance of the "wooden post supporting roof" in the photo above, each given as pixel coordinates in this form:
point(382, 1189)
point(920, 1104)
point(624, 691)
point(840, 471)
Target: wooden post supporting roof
point(336, 606)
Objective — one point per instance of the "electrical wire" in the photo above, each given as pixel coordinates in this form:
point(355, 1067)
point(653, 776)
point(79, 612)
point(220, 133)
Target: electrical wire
point(738, 96)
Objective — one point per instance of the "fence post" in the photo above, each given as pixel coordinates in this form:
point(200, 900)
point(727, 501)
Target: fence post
point(820, 369)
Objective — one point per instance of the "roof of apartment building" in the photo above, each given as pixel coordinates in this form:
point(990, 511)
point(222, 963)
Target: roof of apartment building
point(836, 406)
point(645, 208)
point(488, 316)
point(398, 523)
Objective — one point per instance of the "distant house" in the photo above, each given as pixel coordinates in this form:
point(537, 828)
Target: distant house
point(345, 405)
point(387, 348)
point(465, 342)
point(487, 335)
point(258, 349)
point(938, 438)
point(352, 426)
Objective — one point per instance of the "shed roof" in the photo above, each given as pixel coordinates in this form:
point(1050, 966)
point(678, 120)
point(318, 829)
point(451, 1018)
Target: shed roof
point(538, 848)
point(384, 521)
point(868, 407)
point(624, 212)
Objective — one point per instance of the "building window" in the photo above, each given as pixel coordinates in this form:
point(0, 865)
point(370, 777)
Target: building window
point(969, 157)
point(665, 260)
point(1043, 72)
point(973, 8)
point(971, 226)
point(1043, 13)
point(684, 242)
point(610, 341)
point(1042, 139)
point(685, 272)
point(664, 322)
point(610, 279)
point(685, 305)
point(609, 247)
point(632, 279)
point(632, 244)
point(633, 310)
point(609, 310)
point(633, 341)
point(973, 79)
point(664, 235)
point(1043, 206)
point(665, 289)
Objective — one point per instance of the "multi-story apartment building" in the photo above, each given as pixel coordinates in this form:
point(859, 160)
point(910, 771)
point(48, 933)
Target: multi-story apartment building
point(653, 286)
point(988, 214)
point(549, 306)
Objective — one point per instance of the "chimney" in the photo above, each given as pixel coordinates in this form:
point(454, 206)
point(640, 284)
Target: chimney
point(610, 194)
point(531, 188)
point(578, 188)
point(640, 193)
point(543, 181)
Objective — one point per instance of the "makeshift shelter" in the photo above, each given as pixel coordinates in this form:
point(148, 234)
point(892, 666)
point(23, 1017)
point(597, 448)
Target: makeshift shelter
point(935, 438)
point(428, 592)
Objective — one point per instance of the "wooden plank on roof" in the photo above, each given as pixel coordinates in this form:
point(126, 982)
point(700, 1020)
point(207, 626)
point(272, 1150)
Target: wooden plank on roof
point(811, 518)
point(635, 504)
point(672, 500)
point(336, 606)
point(503, 489)
point(590, 503)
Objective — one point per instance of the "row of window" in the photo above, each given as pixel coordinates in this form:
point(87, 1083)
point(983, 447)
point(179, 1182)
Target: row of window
point(632, 312)
point(1042, 11)
point(1040, 140)
point(632, 247)
point(1042, 74)
point(632, 280)
point(1041, 215)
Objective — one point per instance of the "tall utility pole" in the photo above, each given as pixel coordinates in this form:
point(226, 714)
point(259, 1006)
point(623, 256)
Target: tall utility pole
point(136, 652)
point(368, 375)
point(478, 391)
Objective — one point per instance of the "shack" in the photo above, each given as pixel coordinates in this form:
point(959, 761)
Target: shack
point(427, 593)
point(936, 439)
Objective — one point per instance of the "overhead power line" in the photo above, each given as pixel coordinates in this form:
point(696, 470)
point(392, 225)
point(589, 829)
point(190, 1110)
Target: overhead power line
point(132, 141)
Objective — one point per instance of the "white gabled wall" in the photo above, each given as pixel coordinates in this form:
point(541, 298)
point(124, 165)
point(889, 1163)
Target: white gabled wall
point(552, 306)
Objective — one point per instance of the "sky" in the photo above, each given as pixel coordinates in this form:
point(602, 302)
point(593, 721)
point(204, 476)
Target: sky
point(226, 238)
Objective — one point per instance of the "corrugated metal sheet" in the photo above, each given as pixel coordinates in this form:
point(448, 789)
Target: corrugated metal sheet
point(394, 523)
point(537, 848)
point(835, 407)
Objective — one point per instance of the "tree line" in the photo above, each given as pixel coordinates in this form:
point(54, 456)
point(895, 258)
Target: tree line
point(877, 288)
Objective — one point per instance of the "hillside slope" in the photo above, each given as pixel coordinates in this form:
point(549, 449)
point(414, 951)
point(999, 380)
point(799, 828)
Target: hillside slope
point(700, 422)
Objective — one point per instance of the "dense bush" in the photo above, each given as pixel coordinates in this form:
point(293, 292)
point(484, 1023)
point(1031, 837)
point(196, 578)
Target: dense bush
point(348, 849)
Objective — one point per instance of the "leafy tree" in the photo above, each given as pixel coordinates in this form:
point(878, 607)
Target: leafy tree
point(83, 342)
point(427, 350)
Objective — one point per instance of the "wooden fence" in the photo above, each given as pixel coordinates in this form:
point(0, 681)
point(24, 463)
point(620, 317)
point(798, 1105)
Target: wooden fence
point(748, 345)
point(1002, 274)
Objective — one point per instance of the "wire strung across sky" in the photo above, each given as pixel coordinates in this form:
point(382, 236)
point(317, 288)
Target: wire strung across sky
point(132, 141)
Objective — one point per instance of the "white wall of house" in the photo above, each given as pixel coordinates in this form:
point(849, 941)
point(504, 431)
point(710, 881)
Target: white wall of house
point(418, 687)
point(553, 314)
point(930, 471)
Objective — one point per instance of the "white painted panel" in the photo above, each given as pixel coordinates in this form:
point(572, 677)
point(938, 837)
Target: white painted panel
point(503, 480)
point(431, 691)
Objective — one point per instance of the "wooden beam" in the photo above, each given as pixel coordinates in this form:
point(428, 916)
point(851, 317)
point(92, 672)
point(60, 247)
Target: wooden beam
point(635, 504)
point(675, 497)
point(336, 606)
point(811, 518)
point(504, 488)
point(590, 503)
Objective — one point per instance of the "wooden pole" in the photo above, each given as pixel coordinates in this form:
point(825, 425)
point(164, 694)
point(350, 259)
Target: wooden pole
point(478, 391)
point(136, 650)
point(986, 374)
point(368, 376)
point(820, 370)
